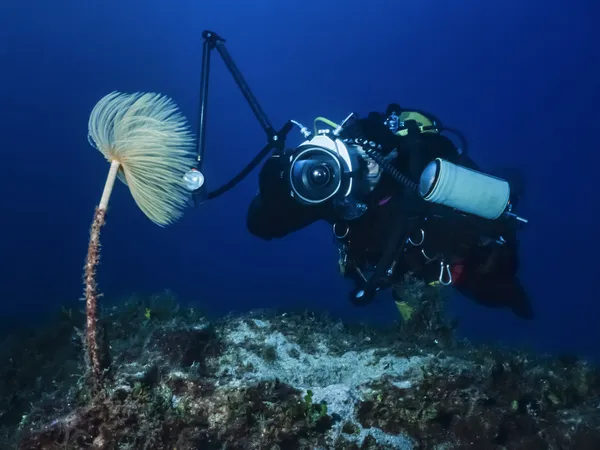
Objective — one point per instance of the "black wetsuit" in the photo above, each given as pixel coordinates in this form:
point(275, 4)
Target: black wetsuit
point(484, 274)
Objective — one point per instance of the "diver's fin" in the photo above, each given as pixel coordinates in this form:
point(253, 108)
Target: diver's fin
point(521, 304)
point(406, 311)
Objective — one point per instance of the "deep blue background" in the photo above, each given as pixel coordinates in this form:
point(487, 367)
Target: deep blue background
point(520, 79)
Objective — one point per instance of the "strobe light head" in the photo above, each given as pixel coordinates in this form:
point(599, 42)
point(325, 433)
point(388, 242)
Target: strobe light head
point(315, 174)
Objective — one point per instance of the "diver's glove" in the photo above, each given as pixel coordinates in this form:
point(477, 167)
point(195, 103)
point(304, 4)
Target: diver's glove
point(271, 180)
point(372, 129)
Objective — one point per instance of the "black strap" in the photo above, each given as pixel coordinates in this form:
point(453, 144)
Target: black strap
point(403, 221)
point(406, 209)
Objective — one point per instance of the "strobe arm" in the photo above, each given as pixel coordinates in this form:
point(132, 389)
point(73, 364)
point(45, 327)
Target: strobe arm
point(275, 139)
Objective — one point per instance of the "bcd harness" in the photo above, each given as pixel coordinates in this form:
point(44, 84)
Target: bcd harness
point(409, 217)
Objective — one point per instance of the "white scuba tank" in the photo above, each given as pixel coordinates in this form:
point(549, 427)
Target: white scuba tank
point(464, 189)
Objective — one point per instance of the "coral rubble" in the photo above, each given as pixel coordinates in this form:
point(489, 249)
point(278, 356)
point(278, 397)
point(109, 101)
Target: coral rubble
point(276, 380)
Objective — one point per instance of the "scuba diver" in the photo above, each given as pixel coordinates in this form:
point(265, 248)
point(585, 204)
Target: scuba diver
point(401, 198)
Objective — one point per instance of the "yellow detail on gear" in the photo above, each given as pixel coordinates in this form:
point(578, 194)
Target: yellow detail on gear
point(406, 311)
point(325, 121)
point(421, 120)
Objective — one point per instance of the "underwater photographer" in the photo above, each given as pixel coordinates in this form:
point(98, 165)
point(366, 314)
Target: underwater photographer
point(401, 198)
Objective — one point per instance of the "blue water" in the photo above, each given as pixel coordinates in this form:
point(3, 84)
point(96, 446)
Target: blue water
point(520, 79)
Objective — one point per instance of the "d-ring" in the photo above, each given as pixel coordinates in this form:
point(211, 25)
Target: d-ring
point(427, 258)
point(345, 233)
point(445, 268)
point(420, 242)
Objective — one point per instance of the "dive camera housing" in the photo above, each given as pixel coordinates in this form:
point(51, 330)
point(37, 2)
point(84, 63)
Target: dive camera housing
point(319, 170)
point(325, 168)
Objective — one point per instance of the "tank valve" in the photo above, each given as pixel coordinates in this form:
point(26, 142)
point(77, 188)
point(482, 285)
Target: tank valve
point(514, 216)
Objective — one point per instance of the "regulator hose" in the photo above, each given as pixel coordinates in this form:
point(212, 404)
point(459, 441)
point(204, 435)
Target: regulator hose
point(371, 150)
